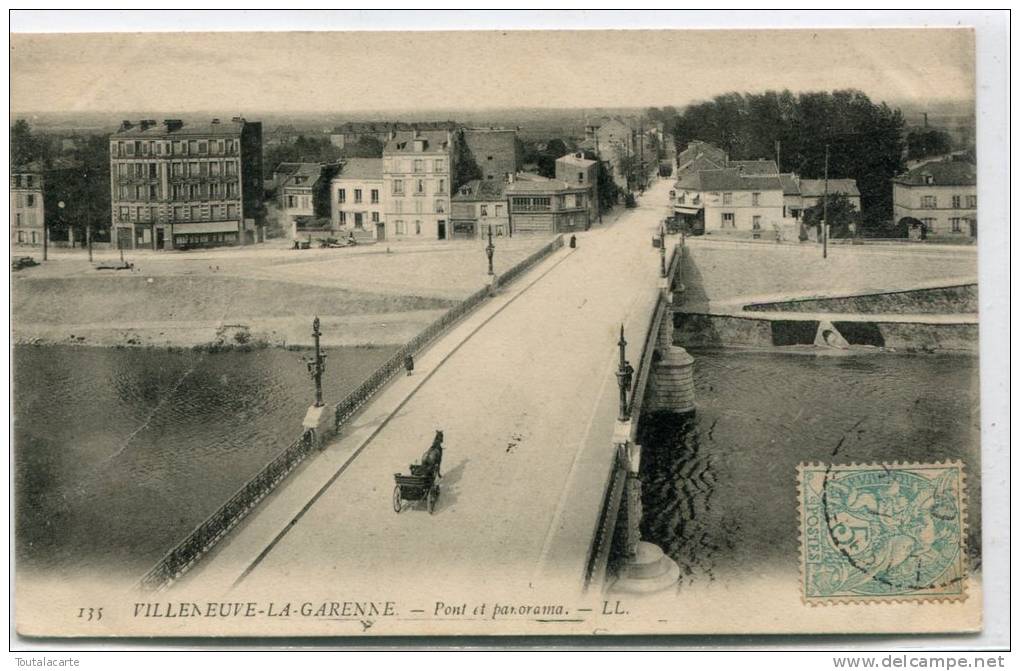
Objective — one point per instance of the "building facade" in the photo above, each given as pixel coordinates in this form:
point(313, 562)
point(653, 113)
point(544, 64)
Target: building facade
point(541, 205)
point(417, 185)
point(27, 214)
point(478, 206)
point(356, 195)
point(303, 207)
point(578, 171)
point(179, 186)
point(937, 199)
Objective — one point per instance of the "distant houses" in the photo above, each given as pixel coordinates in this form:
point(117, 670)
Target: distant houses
point(716, 195)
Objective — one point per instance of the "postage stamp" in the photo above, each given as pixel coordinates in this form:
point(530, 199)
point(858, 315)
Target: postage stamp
point(882, 532)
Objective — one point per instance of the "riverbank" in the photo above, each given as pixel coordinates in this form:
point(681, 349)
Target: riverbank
point(245, 298)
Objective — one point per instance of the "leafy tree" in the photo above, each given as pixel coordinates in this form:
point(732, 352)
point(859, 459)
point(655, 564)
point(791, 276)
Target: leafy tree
point(865, 139)
point(922, 143)
point(83, 188)
point(465, 168)
point(844, 219)
point(26, 147)
point(607, 188)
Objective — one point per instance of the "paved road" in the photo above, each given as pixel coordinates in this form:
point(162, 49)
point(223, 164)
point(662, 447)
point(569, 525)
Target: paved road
point(527, 405)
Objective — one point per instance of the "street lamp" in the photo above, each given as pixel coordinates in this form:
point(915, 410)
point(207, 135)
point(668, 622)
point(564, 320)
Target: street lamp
point(624, 376)
point(317, 364)
point(662, 255)
point(489, 250)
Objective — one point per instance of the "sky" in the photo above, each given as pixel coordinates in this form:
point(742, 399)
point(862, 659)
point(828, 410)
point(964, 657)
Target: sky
point(293, 72)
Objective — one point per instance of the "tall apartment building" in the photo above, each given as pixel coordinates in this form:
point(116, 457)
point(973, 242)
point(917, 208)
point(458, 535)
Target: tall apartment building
point(178, 186)
point(417, 184)
point(27, 216)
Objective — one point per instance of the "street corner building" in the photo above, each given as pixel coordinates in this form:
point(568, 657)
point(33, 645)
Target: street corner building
point(179, 186)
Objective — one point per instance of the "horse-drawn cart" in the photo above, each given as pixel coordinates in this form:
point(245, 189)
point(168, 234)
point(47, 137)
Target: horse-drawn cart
point(421, 484)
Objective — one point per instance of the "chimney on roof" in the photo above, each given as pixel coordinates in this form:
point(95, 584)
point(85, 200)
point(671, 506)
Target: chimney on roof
point(215, 121)
point(417, 133)
point(173, 124)
point(393, 134)
point(126, 125)
point(238, 119)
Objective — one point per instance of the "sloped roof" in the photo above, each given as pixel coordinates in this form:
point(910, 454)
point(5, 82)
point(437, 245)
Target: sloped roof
point(480, 190)
point(943, 173)
point(361, 168)
point(816, 187)
point(698, 163)
point(229, 128)
point(572, 159)
point(696, 148)
point(730, 179)
point(791, 184)
point(759, 167)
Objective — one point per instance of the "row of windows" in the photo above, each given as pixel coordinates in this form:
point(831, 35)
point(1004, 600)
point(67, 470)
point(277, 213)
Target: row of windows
point(497, 210)
point(303, 202)
point(956, 202)
point(173, 148)
point(180, 213)
point(727, 198)
point(419, 208)
point(418, 186)
point(402, 228)
point(341, 196)
point(358, 218)
point(25, 200)
point(28, 236)
point(537, 204)
point(544, 203)
point(24, 219)
point(418, 165)
point(24, 181)
point(203, 191)
point(149, 170)
point(956, 224)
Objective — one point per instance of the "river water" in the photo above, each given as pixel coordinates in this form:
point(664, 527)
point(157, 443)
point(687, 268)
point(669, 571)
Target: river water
point(720, 490)
point(119, 453)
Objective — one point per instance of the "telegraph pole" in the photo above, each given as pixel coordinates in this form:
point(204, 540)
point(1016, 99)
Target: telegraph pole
point(777, 156)
point(825, 209)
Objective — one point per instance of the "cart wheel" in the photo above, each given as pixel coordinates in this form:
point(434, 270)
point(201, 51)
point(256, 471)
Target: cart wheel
point(431, 502)
point(396, 499)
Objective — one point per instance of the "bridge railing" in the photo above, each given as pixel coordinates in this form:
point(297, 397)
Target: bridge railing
point(186, 553)
point(601, 547)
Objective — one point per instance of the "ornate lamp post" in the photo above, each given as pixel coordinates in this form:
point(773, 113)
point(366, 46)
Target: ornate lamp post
point(624, 376)
point(317, 364)
point(489, 250)
point(662, 255)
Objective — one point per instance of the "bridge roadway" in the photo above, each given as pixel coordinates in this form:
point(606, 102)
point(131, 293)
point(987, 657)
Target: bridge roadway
point(525, 393)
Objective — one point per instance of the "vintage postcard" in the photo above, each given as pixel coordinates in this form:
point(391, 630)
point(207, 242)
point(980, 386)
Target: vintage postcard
point(495, 333)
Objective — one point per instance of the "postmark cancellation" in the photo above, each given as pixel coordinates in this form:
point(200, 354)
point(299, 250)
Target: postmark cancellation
point(882, 532)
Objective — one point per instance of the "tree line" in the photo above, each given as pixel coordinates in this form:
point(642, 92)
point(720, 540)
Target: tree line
point(865, 139)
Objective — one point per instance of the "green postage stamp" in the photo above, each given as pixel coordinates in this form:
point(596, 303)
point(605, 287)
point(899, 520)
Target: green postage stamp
point(882, 532)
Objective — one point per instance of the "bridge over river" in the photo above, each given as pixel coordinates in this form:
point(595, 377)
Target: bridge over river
point(524, 389)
